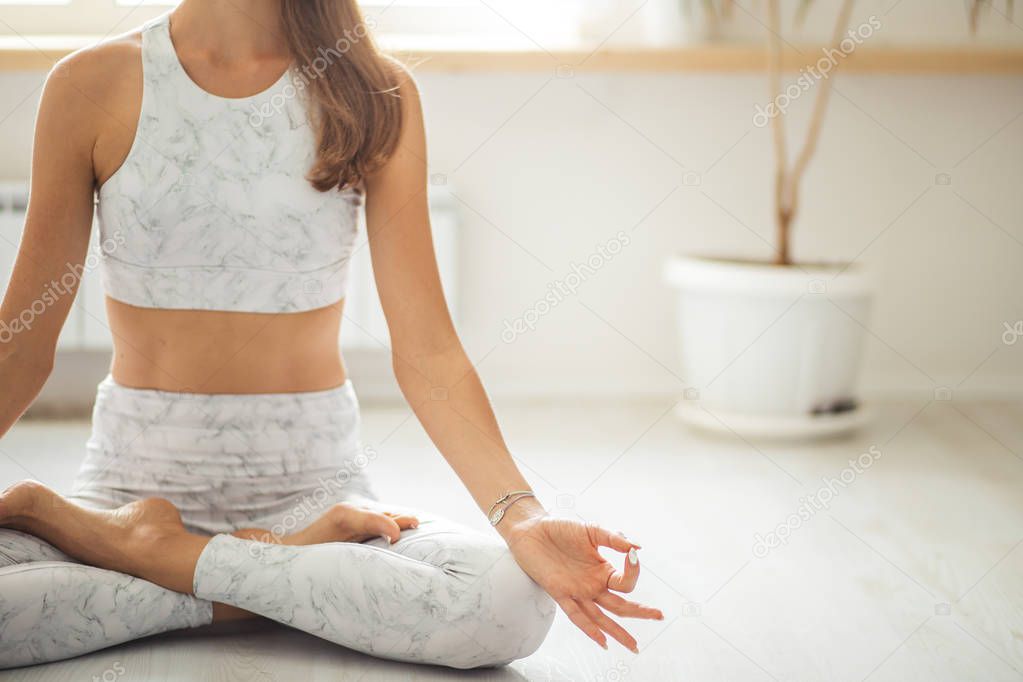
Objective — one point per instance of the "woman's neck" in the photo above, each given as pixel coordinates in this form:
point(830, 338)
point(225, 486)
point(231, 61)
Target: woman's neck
point(229, 31)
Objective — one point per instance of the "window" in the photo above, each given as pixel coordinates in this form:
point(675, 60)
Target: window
point(73, 17)
point(537, 21)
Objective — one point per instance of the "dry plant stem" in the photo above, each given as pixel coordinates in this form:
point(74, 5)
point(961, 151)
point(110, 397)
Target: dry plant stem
point(774, 70)
point(819, 108)
point(787, 183)
point(975, 7)
point(975, 14)
point(716, 16)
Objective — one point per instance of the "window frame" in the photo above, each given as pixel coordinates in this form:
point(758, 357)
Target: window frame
point(104, 18)
point(74, 17)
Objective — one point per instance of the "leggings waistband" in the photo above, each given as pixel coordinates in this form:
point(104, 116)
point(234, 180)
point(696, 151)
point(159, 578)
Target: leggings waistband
point(225, 434)
point(341, 397)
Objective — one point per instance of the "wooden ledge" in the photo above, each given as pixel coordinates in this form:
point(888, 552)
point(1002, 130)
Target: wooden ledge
point(33, 53)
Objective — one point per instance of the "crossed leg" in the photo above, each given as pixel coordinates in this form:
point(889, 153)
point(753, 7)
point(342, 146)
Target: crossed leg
point(440, 594)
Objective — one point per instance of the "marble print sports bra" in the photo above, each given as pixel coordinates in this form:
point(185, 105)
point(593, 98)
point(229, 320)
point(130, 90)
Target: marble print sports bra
point(211, 209)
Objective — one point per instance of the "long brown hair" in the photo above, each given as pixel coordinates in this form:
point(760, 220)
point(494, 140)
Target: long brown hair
point(352, 89)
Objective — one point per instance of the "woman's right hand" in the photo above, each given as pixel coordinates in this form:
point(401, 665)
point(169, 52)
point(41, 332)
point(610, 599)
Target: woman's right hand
point(561, 556)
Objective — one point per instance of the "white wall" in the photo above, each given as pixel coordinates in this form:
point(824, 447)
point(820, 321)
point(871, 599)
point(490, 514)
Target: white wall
point(548, 168)
point(589, 156)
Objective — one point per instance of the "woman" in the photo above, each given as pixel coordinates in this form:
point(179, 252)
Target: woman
point(223, 478)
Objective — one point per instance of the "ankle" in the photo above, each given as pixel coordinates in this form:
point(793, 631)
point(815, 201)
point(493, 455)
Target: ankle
point(167, 558)
point(149, 521)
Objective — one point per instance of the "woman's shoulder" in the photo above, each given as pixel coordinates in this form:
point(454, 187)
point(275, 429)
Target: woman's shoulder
point(98, 92)
point(102, 75)
point(104, 63)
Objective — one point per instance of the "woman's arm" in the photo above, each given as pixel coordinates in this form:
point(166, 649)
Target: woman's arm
point(53, 244)
point(443, 389)
point(431, 367)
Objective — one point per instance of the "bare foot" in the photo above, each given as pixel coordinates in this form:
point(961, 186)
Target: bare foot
point(147, 539)
point(340, 523)
point(144, 538)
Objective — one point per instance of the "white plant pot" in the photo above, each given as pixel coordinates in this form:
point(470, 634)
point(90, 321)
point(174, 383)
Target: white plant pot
point(768, 350)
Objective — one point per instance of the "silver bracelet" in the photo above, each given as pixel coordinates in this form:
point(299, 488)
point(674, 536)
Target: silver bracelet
point(497, 512)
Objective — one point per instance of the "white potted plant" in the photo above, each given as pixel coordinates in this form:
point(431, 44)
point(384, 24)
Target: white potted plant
point(773, 348)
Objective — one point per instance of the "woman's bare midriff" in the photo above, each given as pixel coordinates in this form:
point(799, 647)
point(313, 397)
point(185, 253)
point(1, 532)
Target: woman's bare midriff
point(200, 351)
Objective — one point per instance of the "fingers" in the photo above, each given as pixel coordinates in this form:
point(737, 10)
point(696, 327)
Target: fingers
point(582, 621)
point(605, 538)
point(609, 626)
point(625, 581)
point(628, 609)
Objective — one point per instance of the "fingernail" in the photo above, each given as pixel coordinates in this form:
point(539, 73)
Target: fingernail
point(604, 644)
point(633, 543)
point(633, 556)
point(635, 649)
point(385, 539)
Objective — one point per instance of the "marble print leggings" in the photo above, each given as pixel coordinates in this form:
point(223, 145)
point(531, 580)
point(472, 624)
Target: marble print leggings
point(442, 594)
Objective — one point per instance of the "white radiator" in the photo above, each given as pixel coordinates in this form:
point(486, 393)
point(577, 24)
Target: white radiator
point(364, 326)
point(76, 333)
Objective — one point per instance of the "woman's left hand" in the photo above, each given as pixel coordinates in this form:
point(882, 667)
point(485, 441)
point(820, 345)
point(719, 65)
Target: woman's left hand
point(561, 556)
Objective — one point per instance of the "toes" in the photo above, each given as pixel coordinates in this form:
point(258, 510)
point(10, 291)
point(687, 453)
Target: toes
point(25, 502)
point(22, 498)
point(357, 523)
point(383, 526)
point(405, 521)
point(360, 523)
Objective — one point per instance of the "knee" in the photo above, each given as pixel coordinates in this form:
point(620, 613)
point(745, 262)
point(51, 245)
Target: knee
point(511, 614)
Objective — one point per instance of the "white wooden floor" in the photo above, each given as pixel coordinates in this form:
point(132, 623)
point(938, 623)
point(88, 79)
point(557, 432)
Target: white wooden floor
point(914, 571)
